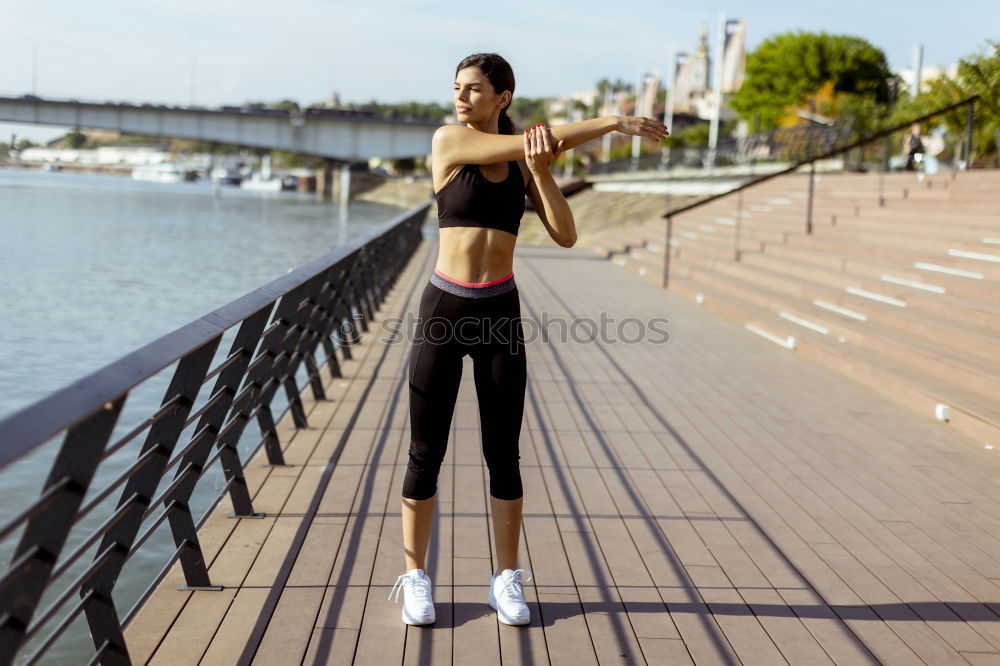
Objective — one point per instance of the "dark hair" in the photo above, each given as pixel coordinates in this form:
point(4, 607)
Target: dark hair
point(500, 74)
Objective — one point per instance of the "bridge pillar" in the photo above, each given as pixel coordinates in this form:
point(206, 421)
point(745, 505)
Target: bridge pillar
point(344, 184)
point(325, 180)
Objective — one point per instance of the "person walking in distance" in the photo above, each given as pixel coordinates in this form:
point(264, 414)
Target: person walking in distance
point(482, 170)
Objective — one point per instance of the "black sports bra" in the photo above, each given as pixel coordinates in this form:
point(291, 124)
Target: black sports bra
point(470, 200)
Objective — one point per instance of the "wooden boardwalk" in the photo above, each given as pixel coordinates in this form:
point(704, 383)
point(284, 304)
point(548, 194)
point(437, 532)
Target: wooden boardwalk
point(715, 499)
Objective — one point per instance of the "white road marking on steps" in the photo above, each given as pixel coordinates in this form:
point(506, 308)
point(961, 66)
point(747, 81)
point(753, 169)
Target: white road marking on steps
point(689, 234)
point(804, 322)
point(779, 201)
point(981, 256)
point(761, 209)
point(875, 296)
point(705, 227)
point(947, 269)
point(674, 242)
point(728, 221)
point(787, 343)
point(844, 311)
point(913, 283)
point(620, 261)
point(988, 239)
point(642, 270)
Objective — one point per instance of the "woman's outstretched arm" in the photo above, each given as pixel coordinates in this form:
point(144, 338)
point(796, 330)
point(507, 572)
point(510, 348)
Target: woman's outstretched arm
point(580, 132)
point(458, 144)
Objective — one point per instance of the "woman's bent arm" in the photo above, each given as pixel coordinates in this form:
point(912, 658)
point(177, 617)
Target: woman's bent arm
point(555, 212)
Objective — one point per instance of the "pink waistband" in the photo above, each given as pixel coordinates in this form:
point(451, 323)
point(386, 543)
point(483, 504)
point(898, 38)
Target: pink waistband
point(474, 284)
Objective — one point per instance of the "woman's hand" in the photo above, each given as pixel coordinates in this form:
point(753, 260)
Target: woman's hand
point(642, 126)
point(538, 148)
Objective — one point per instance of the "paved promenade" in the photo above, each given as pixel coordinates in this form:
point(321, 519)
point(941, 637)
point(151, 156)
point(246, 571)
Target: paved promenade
point(716, 499)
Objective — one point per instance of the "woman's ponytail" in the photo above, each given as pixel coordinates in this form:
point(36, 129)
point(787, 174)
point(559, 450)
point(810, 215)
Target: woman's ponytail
point(504, 124)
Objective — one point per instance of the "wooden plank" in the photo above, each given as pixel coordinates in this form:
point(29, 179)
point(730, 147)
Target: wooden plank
point(423, 645)
point(560, 611)
point(925, 646)
point(476, 632)
point(687, 502)
point(167, 606)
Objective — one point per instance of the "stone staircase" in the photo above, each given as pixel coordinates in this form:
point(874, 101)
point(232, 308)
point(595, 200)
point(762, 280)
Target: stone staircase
point(903, 298)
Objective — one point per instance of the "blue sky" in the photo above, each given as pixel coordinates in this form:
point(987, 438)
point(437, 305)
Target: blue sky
point(401, 50)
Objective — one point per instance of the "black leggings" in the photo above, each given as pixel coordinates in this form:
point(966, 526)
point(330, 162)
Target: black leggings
point(488, 328)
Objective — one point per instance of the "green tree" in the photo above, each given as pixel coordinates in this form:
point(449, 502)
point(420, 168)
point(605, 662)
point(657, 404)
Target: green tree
point(527, 111)
point(785, 69)
point(76, 139)
point(978, 74)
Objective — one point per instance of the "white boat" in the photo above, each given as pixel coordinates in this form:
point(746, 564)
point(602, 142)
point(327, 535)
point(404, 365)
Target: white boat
point(263, 180)
point(158, 173)
point(259, 184)
point(226, 176)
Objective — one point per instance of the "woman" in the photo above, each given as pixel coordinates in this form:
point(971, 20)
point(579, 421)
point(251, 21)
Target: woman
point(481, 172)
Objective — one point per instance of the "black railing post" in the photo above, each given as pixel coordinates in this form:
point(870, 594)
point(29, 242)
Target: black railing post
point(736, 227)
point(968, 134)
point(809, 203)
point(181, 521)
point(272, 444)
point(331, 356)
point(668, 228)
point(882, 171)
point(45, 534)
point(105, 625)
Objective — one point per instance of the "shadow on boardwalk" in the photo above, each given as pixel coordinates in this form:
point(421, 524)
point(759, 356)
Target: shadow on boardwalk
point(714, 499)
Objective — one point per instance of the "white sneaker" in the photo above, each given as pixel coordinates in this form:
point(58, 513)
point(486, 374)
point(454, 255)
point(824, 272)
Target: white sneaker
point(418, 604)
point(507, 598)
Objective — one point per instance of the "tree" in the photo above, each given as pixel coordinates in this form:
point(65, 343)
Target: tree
point(76, 139)
point(786, 69)
point(977, 74)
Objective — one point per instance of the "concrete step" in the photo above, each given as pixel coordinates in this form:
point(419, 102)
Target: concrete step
point(973, 365)
point(969, 413)
point(805, 285)
point(933, 263)
point(974, 290)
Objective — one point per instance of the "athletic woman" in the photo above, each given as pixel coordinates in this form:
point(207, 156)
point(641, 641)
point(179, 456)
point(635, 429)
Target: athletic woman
point(481, 172)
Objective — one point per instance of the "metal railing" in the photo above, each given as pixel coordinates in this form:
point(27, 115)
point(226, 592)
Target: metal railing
point(883, 134)
point(781, 144)
point(281, 328)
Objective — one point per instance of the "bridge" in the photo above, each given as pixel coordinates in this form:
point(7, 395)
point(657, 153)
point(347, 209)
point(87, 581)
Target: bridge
point(736, 493)
point(333, 134)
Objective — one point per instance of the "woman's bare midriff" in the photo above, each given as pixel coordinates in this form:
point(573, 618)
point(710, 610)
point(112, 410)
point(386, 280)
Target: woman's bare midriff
point(475, 254)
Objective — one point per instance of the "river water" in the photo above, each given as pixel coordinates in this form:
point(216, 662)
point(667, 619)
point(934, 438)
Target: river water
point(93, 267)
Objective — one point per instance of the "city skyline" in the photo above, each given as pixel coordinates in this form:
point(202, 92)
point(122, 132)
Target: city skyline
point(240, 52)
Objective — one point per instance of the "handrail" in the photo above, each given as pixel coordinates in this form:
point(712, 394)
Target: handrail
point(830, 153)
point(280, 327)
point(970, 101)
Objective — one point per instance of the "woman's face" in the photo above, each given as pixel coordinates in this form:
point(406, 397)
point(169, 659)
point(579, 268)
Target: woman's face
point(474, 96)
